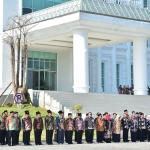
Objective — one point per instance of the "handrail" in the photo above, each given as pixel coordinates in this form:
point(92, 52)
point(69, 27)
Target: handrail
point(5, 89)
point(6, 98)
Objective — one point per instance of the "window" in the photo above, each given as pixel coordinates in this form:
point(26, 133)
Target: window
point(30, 6)
point(131, 74)
point(103, 75)
point(145, 3)
point(42, 70)
point(117, 74)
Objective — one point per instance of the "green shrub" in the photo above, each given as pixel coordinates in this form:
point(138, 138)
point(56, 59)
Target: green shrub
point(77, 108)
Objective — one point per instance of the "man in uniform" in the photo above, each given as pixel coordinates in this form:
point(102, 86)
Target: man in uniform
point(38, 127)
point(19, 127)
point(2, 129)
point(11, 127)
point(50, 126)
point(27, 127)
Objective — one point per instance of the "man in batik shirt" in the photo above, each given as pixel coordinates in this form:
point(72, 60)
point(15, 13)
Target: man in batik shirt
point(38, 127)
point(60, 125)
point(27, 127)
point(50, 126)
point(2, 129)
point(79, 127)
point(69, 128)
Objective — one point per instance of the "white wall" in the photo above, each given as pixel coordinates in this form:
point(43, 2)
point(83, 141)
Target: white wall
point(65, 73)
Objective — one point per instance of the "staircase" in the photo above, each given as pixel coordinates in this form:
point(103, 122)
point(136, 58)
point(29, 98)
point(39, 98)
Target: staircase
point(95, 102)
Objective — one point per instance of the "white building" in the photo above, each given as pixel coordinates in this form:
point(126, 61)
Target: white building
point(83, 45)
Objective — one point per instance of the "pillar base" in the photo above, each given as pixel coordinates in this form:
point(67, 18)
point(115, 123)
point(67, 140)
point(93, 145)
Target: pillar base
point(84, 89)
point(140, 91)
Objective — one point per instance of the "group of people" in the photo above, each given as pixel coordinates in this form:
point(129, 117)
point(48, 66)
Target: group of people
point(107, 129)
point(126, 90)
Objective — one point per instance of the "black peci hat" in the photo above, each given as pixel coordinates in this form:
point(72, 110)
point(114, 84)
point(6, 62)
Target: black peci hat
point(15, 112)
point(11, 112)
point(27, 112)
point(38, 113)
point(49, 111)
point(79, 114)
point(69, 114)
point(60, 112)
point(5, 111)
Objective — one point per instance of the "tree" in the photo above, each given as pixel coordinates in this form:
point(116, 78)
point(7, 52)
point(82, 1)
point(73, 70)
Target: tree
point(77, 108)
point(16, 36)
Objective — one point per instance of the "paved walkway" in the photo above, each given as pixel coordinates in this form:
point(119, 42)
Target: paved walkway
point(96, 146)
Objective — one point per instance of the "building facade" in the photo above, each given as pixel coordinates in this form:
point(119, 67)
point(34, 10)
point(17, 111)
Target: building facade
point(51, 65)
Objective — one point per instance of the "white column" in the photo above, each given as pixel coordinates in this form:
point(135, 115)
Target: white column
point(140, 65)
point(99, 84)
point(113, 72)
point(128, 65)
point(80, 61)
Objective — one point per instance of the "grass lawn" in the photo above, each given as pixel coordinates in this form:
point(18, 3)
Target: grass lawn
point(32, 111)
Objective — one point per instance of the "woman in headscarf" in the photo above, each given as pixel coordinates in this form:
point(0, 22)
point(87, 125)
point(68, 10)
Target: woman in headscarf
point(148, 127)
point(108, 129)
point(117, 129)
point(100, 128)
point(133, 125)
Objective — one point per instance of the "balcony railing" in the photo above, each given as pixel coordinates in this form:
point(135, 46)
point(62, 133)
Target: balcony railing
point(92, 6)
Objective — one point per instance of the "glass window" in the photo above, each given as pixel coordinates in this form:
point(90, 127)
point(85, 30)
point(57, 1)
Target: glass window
point(117, 74)
point(37, 4)
point(53, 57)
point(131, 74)
point(53, 66)
point(47, 66)
point(36, 64)
point(42, 55)
point(48, 3)
point(145, 3)
point(30, 64)
point(47, 56)
point(56, 2)
point(27, 3)
point(102, 76)
point(41, 64)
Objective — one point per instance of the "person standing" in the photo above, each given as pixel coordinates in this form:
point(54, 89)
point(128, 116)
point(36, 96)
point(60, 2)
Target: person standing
point(50, 126)
point(69, 128)
point(125, 126)
point(108, 129)
point(148, 128)
point(38, 127)
point(79, 127)
point(19, 127)
point(100, 126)
point(137, 119)
point(133, 125)
point(89, 125)
point(116, 129)
point(142, 127)
point(11, 127)
point(60, 125)
point(2, 128)
point(26, 127)
point(112, 121)
point(6, 133)
point(75, 134)
point(86, 128)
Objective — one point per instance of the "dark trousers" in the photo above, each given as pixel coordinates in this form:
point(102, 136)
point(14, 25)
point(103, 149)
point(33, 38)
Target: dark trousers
point(11, 136)
point(90, 133)
point(17, 137)
point(26, 137)
point(75, 136)
point(79, 136)
point(69, 136)
point(113, 137)
point(141, 133)
point(86, 135)
point(133, 136)
point(116, 137)
point(66, 136)
point(148, 136)
point(100, 136)
point(37, 135)
point(46, 136)
point(7, 136)
point(125, 135)
point(60, 135)
point(138, 135)
point(145, 134)
point(49, 135)
point(2, 136)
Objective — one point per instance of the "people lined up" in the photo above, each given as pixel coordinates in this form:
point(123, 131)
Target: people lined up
point(125, 89)
point(107, 129)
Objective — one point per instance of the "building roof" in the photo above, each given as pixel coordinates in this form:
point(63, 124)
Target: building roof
point(91, 6)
